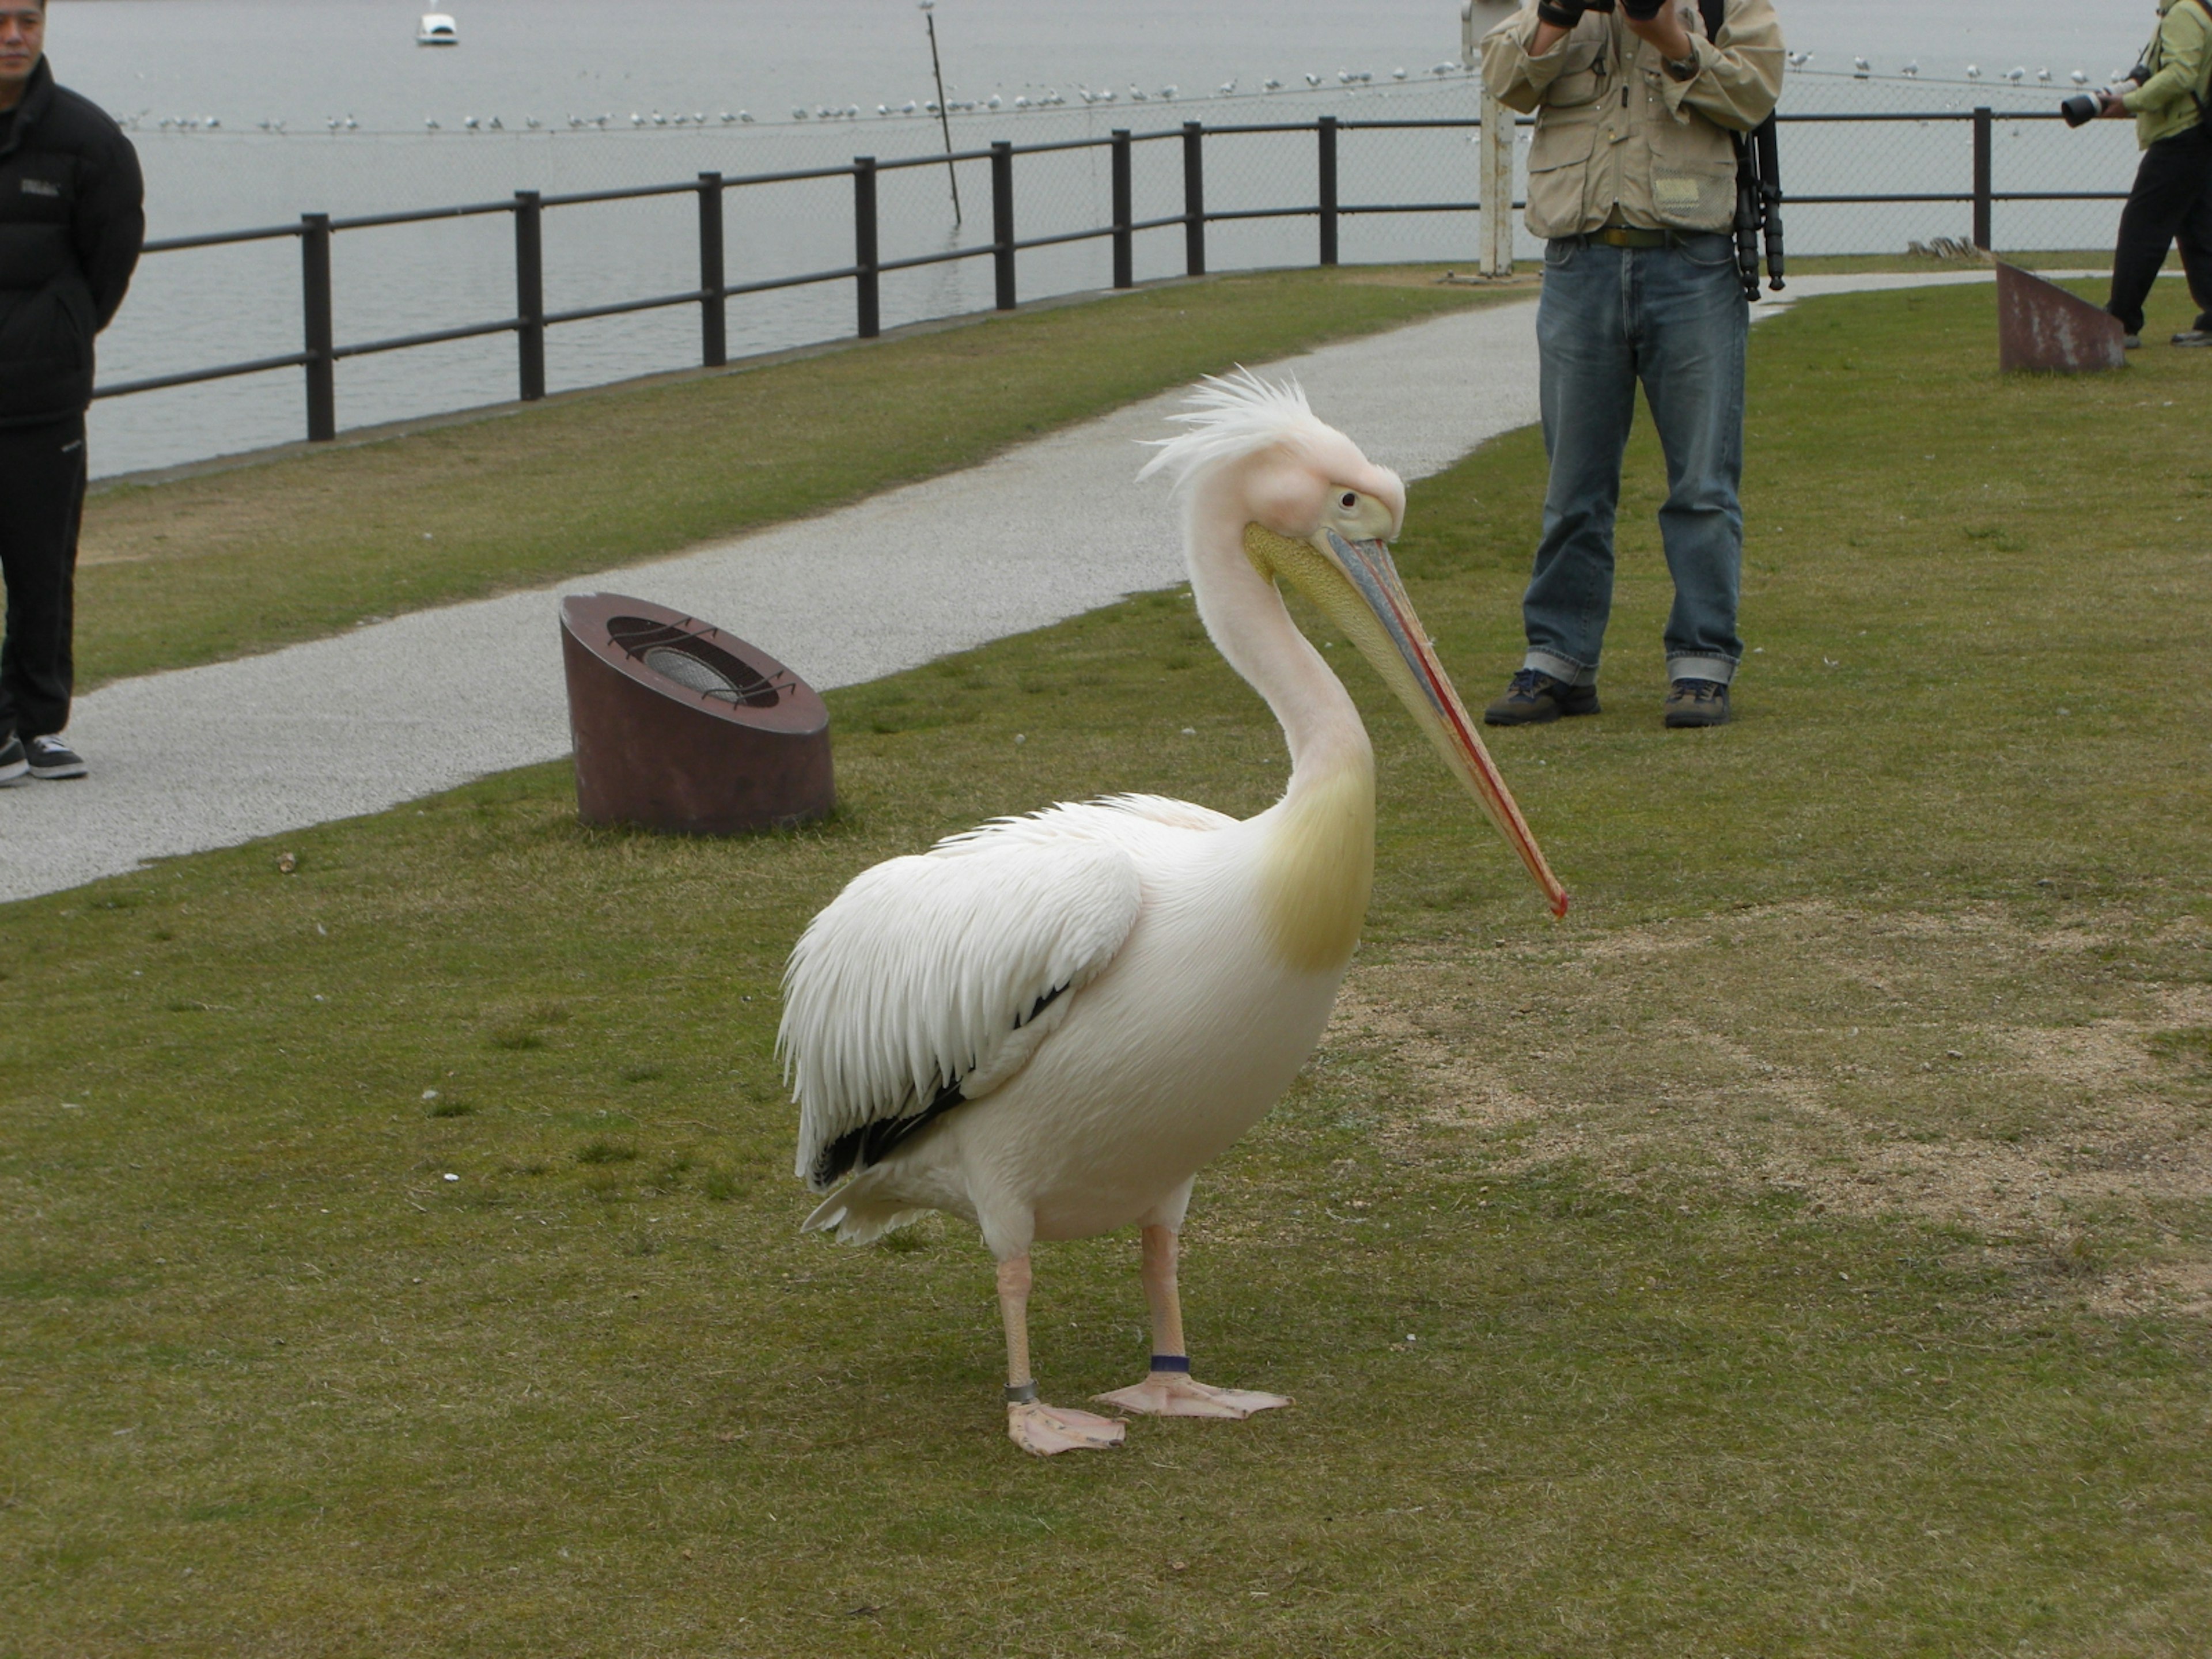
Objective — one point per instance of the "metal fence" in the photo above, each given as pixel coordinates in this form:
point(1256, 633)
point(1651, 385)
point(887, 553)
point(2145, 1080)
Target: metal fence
point(320, 351)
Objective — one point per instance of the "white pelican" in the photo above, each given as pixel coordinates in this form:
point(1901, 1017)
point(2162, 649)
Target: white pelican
point(1048, 1025)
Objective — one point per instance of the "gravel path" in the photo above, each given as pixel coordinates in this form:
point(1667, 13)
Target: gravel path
point(212, 757)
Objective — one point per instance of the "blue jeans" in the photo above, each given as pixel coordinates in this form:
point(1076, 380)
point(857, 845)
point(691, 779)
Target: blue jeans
point(1675, 319)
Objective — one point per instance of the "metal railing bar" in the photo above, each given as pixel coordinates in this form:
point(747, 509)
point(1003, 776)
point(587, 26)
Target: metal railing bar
point(1884, 115)
point(438, 336)
point(1159, 224)
point(635, 192)
point(1064, 236)
point(1226, 215)
point(794, 177)
point(1877, 201)
point(1438, 121)
point(1263, 126)
point(914, 261)
point(1416, 207)
point(1061, 144)
point(191, 377)
point(584, 314)
point(219, 238)
point(422, 216)
point(933, 160)
point(773, 283)
point(732, 181)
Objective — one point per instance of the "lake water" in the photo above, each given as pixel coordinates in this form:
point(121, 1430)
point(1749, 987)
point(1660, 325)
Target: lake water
point(651, 69)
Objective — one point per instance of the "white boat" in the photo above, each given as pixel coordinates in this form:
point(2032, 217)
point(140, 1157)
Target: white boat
point(438, 30)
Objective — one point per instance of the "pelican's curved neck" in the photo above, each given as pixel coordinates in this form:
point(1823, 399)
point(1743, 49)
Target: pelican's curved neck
point(1317, 868)
point(1245, 614)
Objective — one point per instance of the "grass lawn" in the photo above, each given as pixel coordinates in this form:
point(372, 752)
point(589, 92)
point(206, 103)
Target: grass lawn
point(1803, 1248)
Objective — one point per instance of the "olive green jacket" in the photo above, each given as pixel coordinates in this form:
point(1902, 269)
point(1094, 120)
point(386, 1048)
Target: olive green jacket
point(1615, 131)
point(2179, 58)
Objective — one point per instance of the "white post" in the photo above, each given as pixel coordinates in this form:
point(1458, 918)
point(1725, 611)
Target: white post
point(1494, 152)
point(1497, 170)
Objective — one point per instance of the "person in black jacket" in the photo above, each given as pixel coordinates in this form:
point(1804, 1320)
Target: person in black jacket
point(72, 219)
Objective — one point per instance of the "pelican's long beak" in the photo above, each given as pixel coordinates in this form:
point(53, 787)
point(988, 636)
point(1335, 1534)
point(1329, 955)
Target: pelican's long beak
point(1404, 657)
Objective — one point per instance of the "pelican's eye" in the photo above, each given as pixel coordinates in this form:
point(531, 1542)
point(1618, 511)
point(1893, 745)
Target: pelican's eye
point(1350, 499)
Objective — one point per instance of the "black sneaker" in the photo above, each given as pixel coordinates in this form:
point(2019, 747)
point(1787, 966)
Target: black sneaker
point(1697, 702)
point(2194, 337)
point(14, 767)
point(1532, 696)
point(52, 758)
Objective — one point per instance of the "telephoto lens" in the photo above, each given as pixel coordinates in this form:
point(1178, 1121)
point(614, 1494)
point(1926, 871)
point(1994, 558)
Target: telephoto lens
point(2082, 108)
point(1642, 11)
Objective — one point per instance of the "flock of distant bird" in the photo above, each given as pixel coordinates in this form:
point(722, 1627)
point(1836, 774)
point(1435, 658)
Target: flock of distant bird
point(1861, 69)
point(1050, 98)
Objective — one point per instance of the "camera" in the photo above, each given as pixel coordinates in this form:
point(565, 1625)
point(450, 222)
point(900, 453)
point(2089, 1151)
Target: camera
point(1642, 10)
point(2084, 107)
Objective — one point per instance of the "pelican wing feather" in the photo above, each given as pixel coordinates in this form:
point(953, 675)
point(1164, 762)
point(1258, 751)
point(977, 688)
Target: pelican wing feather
point(931, 979)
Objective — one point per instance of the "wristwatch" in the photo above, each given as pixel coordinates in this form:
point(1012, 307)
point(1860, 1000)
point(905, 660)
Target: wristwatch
point(1683, 68)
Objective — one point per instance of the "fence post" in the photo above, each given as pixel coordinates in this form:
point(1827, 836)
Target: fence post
point(1002, 219)
point(1327, 128)
point(529, 293)
point(1193, 199)
point(315, 298)
point(1125, 273)
point(867, 279)
point(1982, 141)
point(714, 337)
point(1494, 164)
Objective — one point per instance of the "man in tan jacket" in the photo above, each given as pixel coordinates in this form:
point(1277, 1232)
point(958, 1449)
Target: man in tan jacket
point(1632, 183)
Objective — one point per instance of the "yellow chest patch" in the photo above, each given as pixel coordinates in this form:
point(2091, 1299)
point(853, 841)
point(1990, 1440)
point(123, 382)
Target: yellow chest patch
point(1320, 873)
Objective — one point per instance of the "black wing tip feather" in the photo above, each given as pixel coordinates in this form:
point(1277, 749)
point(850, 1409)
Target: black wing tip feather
point(857, 1149)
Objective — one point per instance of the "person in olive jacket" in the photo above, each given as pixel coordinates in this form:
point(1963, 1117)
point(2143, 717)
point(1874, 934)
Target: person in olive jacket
point(72, 218)
point(2172, 201)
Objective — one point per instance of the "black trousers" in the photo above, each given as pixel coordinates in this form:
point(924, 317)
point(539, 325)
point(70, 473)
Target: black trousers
point(41, 504)
point(2172, 201)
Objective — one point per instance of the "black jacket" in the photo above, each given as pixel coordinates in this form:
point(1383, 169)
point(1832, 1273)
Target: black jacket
point(72, 216)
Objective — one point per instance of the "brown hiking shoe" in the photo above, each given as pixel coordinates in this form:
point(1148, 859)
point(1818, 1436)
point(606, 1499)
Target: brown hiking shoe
point(1697, 702)
point(1533, 696)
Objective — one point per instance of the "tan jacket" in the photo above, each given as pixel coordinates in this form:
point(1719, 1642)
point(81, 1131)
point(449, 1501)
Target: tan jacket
point(1615, 131)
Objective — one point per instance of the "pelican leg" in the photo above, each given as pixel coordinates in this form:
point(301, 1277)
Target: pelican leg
point(1031, 1424)
point(1170, 1390)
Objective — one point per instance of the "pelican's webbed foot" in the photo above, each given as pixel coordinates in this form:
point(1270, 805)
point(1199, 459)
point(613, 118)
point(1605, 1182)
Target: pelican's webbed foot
point(1042, 1430)
point(1177, 1394)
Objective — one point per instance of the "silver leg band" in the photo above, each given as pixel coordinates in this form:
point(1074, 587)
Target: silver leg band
point(1021, 1393)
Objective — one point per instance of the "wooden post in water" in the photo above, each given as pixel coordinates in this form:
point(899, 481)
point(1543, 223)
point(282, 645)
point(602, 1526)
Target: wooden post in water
point(943, 115)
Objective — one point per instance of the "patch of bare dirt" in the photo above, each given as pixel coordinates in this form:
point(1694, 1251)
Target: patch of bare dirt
point(1956, 1068)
